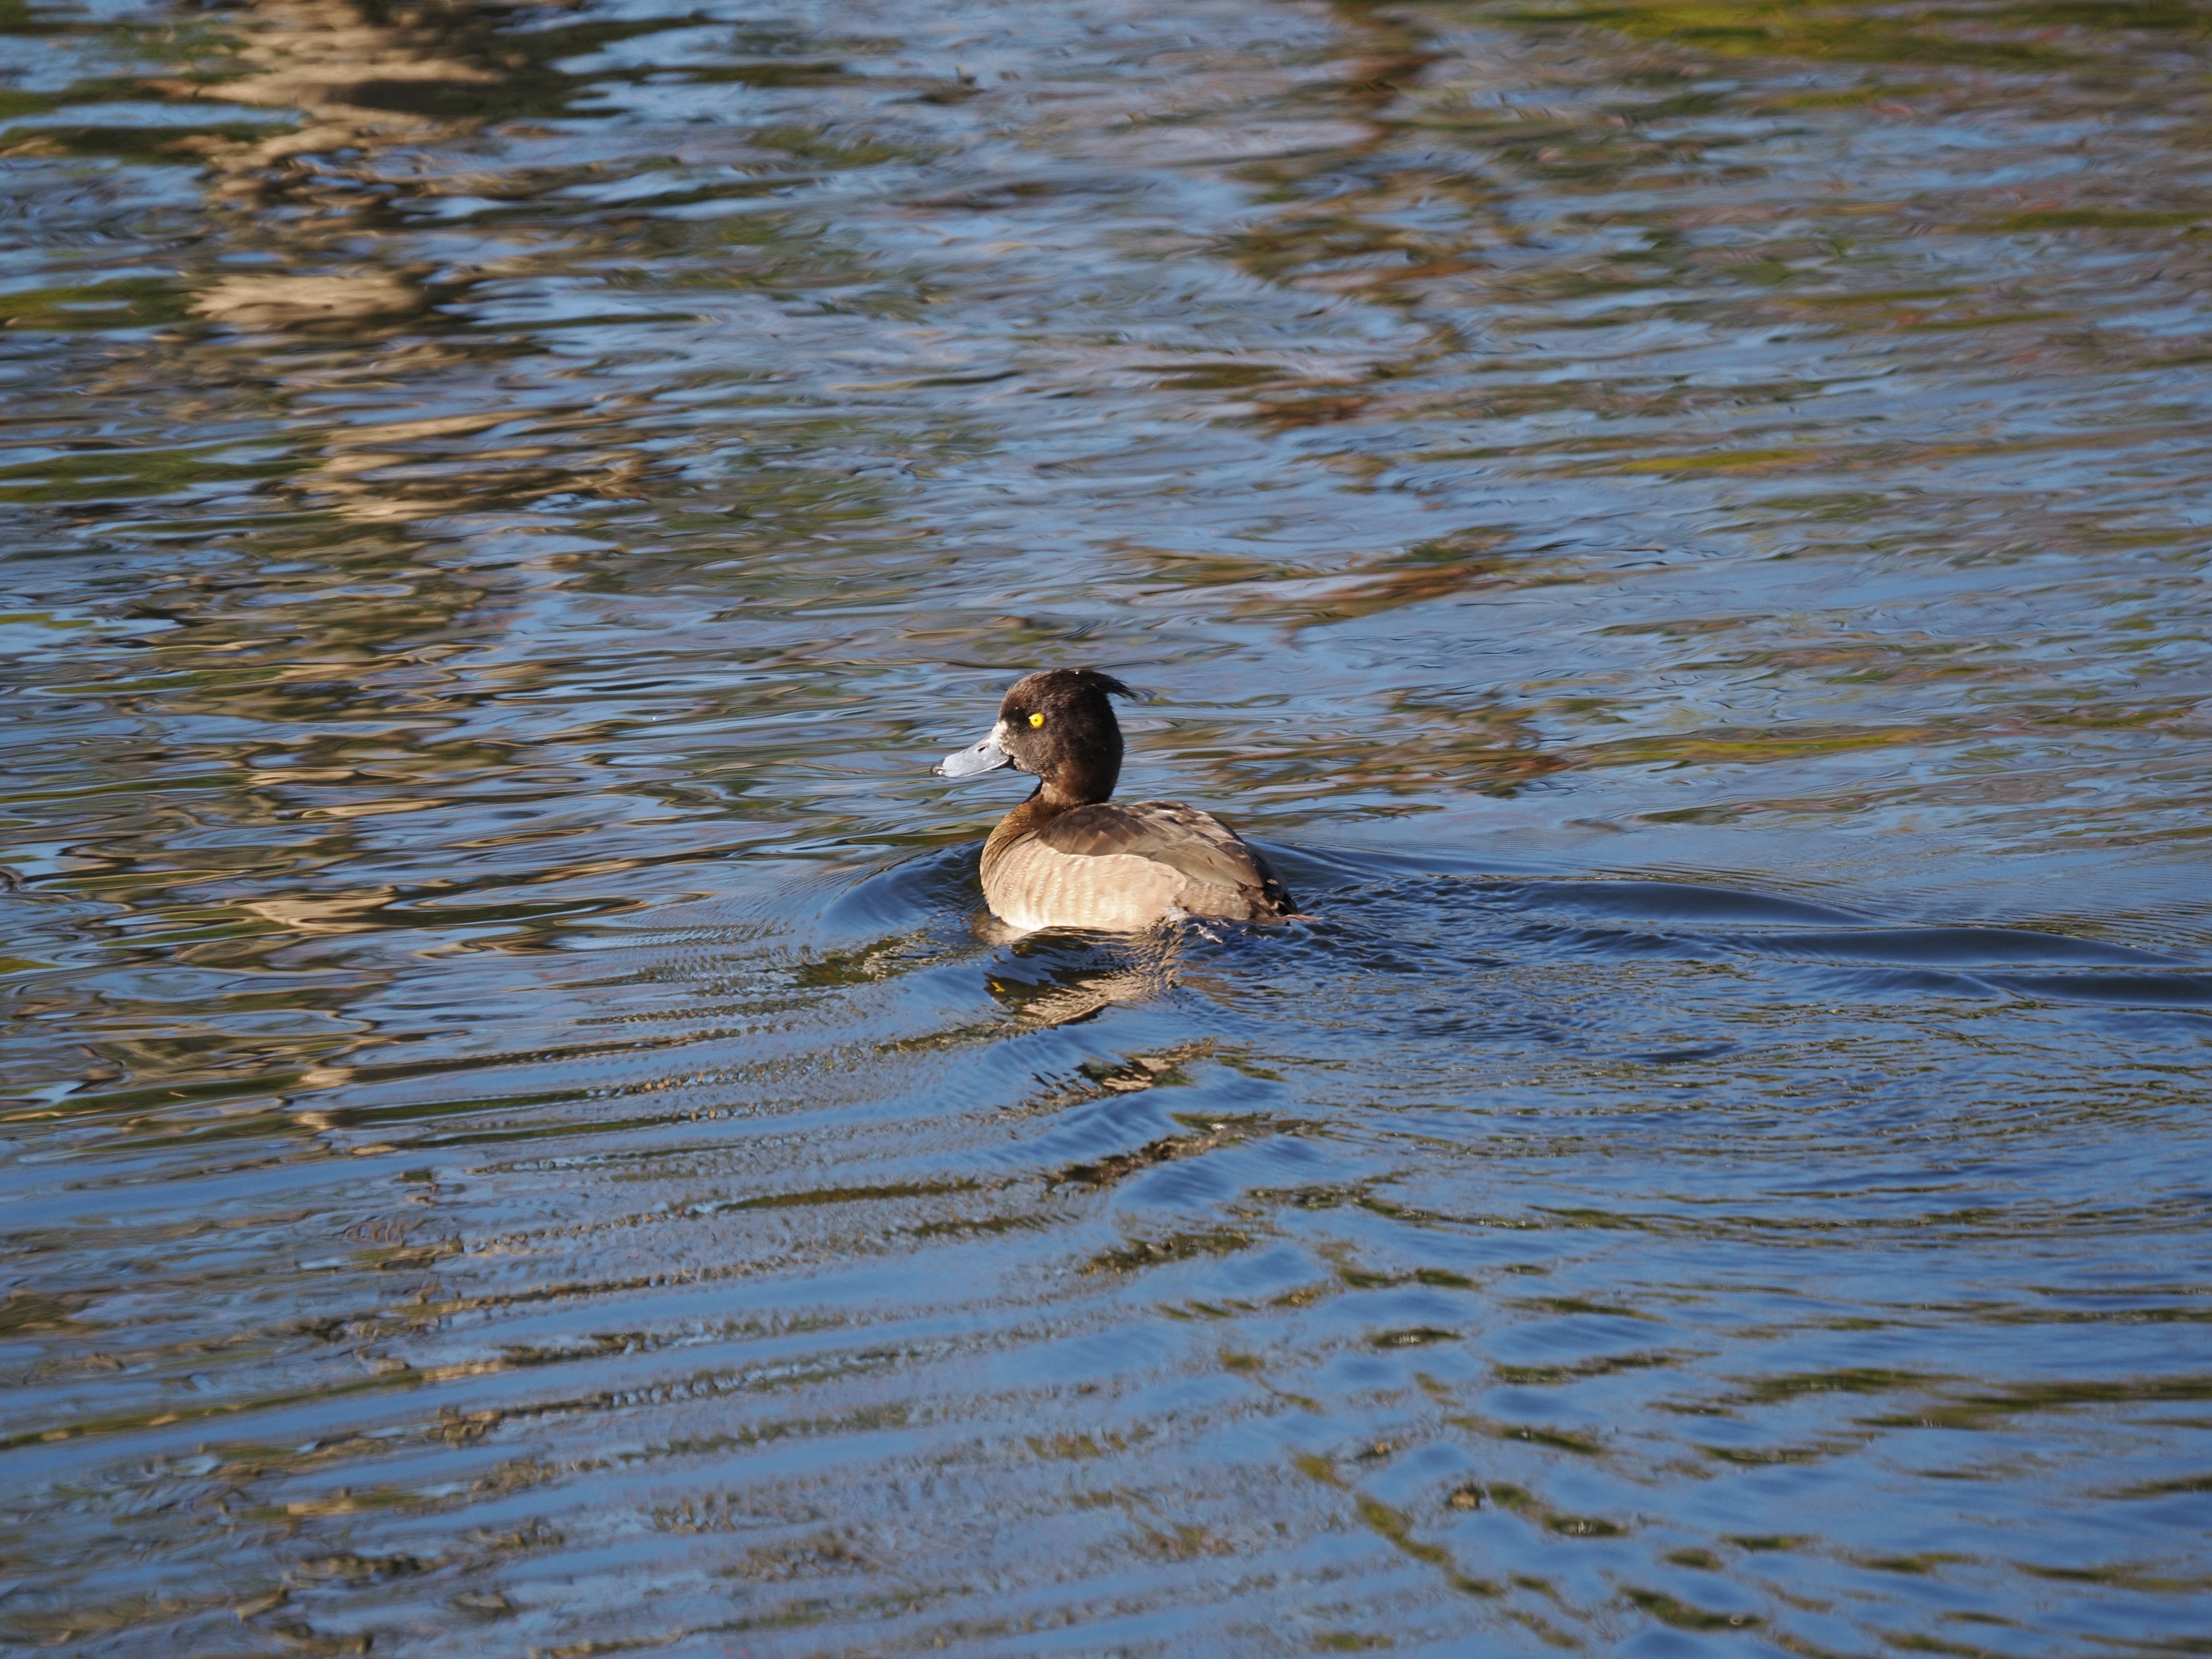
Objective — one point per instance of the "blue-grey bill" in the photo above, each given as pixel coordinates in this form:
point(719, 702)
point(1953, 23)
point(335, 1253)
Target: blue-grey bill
point(985, 756)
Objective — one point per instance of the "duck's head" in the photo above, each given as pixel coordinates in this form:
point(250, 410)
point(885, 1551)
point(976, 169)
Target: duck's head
point(1058, 726)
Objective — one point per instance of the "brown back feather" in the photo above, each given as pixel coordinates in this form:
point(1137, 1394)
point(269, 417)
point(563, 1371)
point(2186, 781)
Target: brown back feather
point(1181, 837)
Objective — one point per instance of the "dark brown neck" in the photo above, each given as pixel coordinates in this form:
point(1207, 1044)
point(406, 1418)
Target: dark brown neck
point(1085, 777)
point(1044, 805)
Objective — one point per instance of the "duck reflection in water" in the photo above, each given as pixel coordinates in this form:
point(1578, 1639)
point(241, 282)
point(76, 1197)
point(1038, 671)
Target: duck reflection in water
point(1058, 980)
point(1069, 856)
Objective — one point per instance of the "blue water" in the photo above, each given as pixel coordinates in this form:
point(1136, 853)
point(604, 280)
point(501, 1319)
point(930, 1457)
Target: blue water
point(1680, 527)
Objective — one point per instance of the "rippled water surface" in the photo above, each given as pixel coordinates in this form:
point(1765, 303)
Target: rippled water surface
point(1682, 525)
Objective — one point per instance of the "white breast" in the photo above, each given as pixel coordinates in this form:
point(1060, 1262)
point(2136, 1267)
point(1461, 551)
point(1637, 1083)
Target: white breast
point(1032, 887)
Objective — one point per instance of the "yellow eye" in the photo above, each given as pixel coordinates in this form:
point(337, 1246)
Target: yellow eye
point(1037, 720)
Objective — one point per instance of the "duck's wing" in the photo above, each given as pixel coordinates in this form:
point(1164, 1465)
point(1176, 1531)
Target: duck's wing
point(1195, 843)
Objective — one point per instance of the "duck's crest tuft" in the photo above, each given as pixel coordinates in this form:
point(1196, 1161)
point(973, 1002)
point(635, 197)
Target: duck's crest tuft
point(1099, 680)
